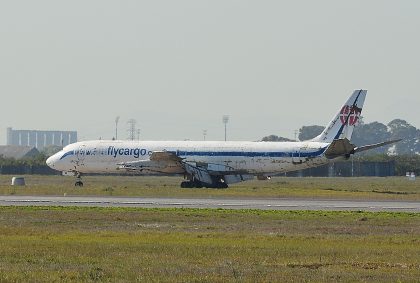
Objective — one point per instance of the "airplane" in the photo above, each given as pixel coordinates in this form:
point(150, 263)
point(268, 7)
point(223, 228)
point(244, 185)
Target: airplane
point(216, 164)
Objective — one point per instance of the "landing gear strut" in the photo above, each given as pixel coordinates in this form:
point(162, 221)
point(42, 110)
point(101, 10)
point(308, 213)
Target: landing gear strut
point(78, 182)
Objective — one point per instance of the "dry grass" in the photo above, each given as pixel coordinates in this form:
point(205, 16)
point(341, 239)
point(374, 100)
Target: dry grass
point(184, 245)
point(395, 188)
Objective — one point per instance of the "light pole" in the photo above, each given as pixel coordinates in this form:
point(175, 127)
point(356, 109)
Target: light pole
point(138, 134)
point(117, 119)
point(132, 129)
point(204, 134)
point(225, 121)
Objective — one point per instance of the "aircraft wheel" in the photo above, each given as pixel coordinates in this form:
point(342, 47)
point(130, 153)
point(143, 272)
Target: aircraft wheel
point(185, 184)
point(197, 184)
point(78, 184)
point(222, 186)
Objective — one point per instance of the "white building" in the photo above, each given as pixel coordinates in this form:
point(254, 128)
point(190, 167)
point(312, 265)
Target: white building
point(40, 139)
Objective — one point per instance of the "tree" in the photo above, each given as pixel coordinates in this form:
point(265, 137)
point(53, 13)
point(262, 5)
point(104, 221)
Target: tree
point(274, 138)
point(400, 129)
point(371, 133)
point(309, 132)
point(51, 150)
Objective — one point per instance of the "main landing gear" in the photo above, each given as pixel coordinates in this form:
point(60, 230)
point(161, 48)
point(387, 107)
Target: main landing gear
point(199, 184)
point(78, 182)
point(191, 184)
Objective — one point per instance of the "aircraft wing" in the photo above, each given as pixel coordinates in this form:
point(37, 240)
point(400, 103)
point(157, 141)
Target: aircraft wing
point(165, 156)
point(160, 162)
point(170, 163)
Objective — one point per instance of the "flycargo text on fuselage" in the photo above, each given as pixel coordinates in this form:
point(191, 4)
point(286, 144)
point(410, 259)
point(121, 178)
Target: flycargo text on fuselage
point(135, 152)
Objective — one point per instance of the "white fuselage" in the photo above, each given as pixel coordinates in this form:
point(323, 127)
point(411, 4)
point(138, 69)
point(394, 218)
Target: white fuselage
point(248, 157)
point(211, 163)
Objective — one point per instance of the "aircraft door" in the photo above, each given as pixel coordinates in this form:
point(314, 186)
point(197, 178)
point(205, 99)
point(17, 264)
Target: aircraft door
point(296, 159)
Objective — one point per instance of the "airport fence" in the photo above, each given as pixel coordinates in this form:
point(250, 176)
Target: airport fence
point(27, 170)
point(349, 169)
point(333, 169)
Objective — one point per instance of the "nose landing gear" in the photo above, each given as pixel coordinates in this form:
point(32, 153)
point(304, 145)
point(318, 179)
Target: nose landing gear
point(78, 182)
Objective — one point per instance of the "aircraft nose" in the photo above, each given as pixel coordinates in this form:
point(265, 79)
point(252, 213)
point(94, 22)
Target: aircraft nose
point(51, 161)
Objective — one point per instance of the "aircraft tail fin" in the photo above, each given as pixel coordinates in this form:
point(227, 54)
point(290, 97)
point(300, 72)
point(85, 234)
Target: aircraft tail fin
point(342, 125)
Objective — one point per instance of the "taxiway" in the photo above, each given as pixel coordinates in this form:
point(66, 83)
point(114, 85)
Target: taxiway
point(226, 203)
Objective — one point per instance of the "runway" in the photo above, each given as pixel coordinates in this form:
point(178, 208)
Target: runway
point(262, 204)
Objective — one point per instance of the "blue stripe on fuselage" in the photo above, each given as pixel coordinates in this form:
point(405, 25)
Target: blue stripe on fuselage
point(68, 153)
point(237, 153)
point(251, 154)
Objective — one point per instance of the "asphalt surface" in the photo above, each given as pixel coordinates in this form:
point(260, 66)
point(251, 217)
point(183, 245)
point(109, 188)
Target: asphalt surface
point(266, 204)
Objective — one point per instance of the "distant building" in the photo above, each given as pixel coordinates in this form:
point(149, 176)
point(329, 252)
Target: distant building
point(40, 139)
point(17, 152)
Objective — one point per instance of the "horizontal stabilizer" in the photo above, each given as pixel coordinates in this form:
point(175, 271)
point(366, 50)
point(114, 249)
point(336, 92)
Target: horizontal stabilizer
point(371, 146)
point(343, 147)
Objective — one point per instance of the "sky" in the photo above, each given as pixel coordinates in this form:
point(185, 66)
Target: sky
point(177, 67)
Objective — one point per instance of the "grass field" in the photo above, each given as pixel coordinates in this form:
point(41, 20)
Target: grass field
point(393, 188)
point(48, 244)
point(53, 244)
